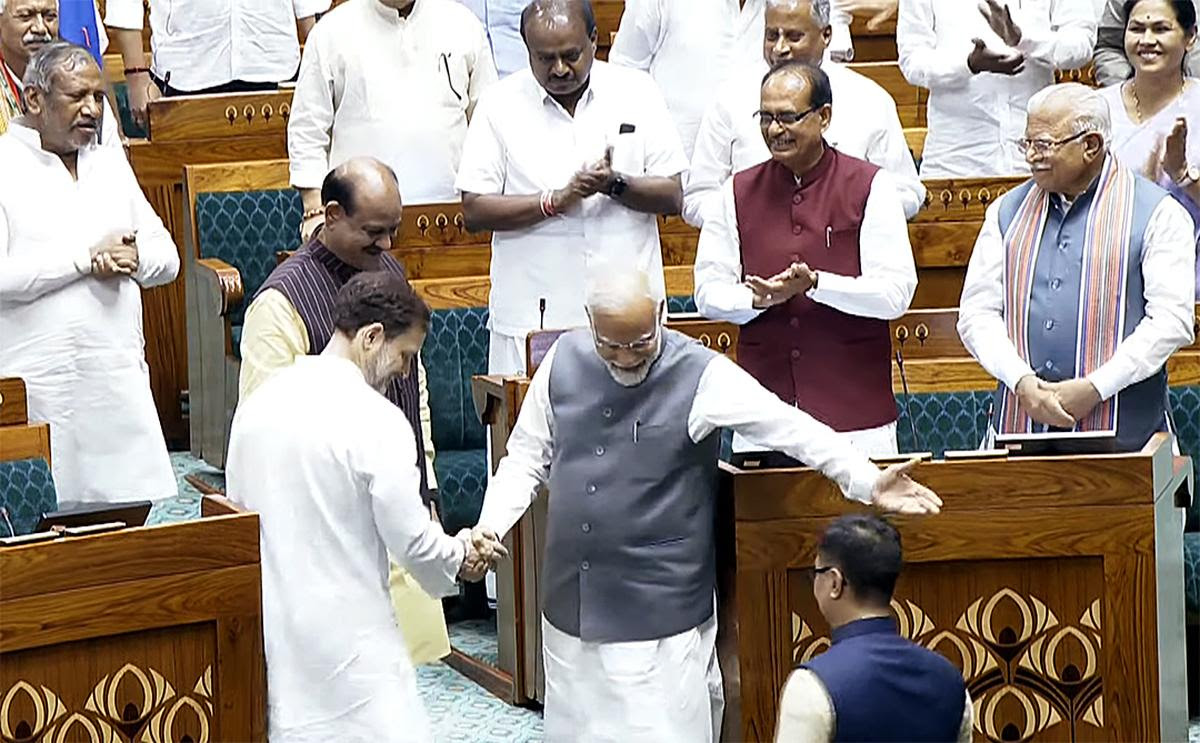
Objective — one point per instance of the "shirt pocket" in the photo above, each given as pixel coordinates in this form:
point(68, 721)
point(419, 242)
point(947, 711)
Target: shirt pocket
point(629, 152)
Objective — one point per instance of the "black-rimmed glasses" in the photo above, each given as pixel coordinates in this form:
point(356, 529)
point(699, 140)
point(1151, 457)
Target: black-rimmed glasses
point(1046, 146)
point(784, 118)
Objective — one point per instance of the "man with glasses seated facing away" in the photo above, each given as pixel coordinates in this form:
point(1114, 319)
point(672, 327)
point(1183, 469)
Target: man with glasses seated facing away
point(809, 253)
point(871, 684)
point(1081, 283)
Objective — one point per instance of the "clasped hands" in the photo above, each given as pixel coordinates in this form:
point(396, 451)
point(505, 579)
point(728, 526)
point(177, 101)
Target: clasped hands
point(795, 279)
point(115, 256)
point(591, 179)
point(484, 552)
point(1058, 404)
point(982, 59)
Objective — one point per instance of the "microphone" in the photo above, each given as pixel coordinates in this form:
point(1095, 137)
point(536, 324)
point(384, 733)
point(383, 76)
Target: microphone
point(541, 313)
point(7, 522)
point(907, 400)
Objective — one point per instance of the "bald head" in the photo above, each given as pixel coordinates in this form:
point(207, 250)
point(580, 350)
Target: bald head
point(557, 14)
point(362, 211)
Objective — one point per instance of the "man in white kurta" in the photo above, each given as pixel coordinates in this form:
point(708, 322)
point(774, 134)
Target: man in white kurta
point(688, 47)
point(981, 62)
point(330, 465)
point(402, 92)
point(629, 631)
point(78, 243)
point(865, 123)
point(568, 163)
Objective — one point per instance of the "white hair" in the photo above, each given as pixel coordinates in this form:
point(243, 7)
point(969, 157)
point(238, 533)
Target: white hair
point(613, 288)
point(820, 9)
point(1088, 109)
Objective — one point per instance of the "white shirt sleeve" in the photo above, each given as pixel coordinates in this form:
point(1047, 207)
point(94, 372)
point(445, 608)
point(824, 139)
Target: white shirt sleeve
point(639, 36)
point(309, 8)
point(29, 275)
point(1168, 276)
point(526, 466)
point(482, 168)
point(664, 150)
point(712, 164)
point(483, 70)
point(124, 14)
point(728, 397)
point(889, 150)
point(1065, 43)
point(888, 273)
point(981, 322)
point(412, 537)
point(922, 62)
point(310, 128)
point(720, 293)
point(805, 710)
point(158, 257)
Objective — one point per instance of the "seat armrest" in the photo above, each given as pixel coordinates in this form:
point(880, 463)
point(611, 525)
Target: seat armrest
point(225, 279)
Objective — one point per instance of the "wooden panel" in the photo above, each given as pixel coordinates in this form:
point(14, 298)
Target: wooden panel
point(204, 544)
point(927, 334)
point(938, 287)
point(915, 137)
point(195, 117)
point(25, 442)
point(962, 199)
point(14, 407)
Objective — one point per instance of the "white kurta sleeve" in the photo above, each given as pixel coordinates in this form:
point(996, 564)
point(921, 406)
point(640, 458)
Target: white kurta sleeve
point(664, 150)
point(158, 258)
point(888, 273)
point(720, 293)
point(805, 710)
point(526, 467)
point(889, 150)
point(124, 14)
point(412, 537)
point(639, 36)
point(921, 61)
point(309, 8)
point(1168, 276)
point(426, 424)
point(483, 69)
point(1065, 43)
point(28, 275)
point(981, 309)
point(712, 164)
point(310, 128)
point(482, 167)
point(728, 397)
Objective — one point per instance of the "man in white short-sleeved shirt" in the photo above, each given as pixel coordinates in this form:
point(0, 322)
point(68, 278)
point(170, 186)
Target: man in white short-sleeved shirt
point(568, 163)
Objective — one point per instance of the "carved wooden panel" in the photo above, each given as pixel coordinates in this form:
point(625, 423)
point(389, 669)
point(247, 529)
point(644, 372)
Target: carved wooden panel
point(187, 118)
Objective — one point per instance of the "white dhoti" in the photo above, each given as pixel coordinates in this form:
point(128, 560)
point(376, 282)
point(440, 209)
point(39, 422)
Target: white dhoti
point(655, 691)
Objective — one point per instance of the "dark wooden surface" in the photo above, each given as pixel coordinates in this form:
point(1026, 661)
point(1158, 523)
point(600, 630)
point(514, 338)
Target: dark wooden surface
point(149, 634)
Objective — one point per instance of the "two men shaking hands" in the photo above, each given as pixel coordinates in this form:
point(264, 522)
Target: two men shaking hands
point(484, 552)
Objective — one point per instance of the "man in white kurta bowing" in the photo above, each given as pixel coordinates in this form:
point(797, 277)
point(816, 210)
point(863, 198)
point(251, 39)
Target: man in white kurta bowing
point(331, 466)
point(78, 243)
point(622, 423)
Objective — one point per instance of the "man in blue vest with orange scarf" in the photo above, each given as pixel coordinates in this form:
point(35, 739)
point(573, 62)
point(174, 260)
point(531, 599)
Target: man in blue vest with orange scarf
point(1081, 283)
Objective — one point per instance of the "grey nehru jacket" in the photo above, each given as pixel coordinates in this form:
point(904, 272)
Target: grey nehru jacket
point(629, 539)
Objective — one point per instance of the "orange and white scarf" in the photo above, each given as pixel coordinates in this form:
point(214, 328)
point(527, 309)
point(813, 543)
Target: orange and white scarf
point(1100, 324)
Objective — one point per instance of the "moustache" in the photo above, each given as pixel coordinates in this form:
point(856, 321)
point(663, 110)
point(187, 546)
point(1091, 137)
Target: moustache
point(32, 38)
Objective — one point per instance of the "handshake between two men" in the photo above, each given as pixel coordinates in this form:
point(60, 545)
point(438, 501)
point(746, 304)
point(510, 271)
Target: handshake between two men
point(483, 552)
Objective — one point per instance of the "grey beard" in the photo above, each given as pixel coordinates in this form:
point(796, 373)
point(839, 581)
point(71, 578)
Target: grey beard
point(629, 377)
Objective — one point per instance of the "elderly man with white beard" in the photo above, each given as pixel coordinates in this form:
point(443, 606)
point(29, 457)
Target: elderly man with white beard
point(622, 423)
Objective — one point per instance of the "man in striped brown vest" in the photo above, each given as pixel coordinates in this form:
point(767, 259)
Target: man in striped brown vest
point(292, 316)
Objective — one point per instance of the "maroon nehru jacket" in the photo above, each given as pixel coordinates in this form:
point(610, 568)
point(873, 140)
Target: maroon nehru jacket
point(835, 366)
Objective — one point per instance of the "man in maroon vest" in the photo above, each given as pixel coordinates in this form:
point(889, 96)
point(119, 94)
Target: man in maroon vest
point(809, 252)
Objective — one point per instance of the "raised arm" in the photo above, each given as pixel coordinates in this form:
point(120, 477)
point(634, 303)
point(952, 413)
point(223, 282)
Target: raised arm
point(922, 61)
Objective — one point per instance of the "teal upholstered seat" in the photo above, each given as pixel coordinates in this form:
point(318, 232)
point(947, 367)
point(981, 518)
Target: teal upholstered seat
point(124, 114)
point(1185, 411)
point(681, 304)
point(944, 421)
point(456, 348)
point(26, 492)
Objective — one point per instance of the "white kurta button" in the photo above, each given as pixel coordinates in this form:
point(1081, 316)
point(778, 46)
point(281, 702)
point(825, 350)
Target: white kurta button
point(591, 488)
point(586, 527)
point(1049, 325)
point(599, 451)
point(585, 565)
point(608, 412)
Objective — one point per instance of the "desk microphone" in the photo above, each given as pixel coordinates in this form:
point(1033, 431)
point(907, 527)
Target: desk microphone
point(907, 399)
point(541, 313)
point(7, 522)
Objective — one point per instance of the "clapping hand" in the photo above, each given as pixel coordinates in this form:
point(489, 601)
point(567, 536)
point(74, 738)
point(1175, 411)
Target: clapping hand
point(897, 492)
point(1173, 157)
point(982, 59)
point(795, 279)
point(1000, 19)
point(484, 552)
point(587, 181)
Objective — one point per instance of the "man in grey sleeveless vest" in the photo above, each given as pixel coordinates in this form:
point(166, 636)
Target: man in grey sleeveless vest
point(622, 423)
point(1081, 283)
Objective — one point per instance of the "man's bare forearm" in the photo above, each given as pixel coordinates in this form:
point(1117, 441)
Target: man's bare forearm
point(653, 194)
point(495, 212)
point(129, 44)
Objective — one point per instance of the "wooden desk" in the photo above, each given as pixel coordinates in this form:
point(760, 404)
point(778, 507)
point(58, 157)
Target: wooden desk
point(147, 634)
point(1056, 584)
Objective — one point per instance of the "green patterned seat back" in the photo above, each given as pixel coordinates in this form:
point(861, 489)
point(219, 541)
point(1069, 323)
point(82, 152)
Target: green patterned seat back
point(944, 420)
point(26, 492)
point(1191, 575)
point(1185, 411)
point(246, 229)
point(132, 130)
point(462, 481)
point(681, 304)
point(456, 349)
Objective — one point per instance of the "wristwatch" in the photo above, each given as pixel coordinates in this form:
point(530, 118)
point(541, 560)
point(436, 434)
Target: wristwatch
point(1190, 176)
point(618, 186)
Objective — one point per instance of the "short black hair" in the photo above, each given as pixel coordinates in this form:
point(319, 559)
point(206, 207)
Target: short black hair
point(1185, 13)
point(379, 297)
point(339, 184)
point(866, 549)
point(589, 15)
point(820, 92)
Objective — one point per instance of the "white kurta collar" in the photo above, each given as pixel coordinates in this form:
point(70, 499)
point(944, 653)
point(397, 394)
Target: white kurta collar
point(335, 366)
point(392, 17)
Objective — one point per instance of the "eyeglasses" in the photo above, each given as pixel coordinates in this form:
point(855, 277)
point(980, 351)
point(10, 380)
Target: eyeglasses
point(784, 118)
point(1046, 146)
point(641, 344)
